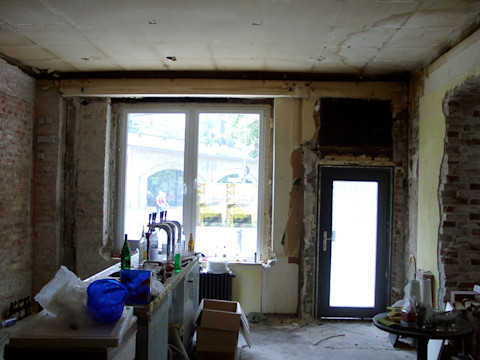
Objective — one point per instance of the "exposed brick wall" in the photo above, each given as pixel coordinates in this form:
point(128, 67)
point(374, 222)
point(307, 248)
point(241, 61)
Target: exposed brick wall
point(87, 123)
point(17, 96)
point(400, 247)
point(47, 184)
point(459, 192)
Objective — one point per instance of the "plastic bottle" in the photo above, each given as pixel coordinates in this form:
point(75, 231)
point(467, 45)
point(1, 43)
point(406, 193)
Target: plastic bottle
point(125, 255)
point(177, 267)
point(153, 250)
point(191, 244)
point(142, 247)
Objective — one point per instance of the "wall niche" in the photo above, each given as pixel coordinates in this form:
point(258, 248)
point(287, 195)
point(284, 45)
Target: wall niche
point(355, 125)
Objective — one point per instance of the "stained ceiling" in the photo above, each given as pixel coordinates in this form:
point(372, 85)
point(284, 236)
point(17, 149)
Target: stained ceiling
point(359, 37)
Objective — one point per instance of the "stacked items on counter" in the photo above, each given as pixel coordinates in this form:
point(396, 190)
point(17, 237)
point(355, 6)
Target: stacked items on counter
point(77, 317)
point(218, 324)
point(156, 259)
point(467, 300)
point(416, 307)
point(80, 304)
point(18, 310)
point(217, 266)
point(165, 250)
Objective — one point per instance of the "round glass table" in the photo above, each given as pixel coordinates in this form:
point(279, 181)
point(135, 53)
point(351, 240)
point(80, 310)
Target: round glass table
point(461, 330)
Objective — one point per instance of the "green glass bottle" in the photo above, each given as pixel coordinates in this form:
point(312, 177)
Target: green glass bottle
point(125, 256)
point(177, 267)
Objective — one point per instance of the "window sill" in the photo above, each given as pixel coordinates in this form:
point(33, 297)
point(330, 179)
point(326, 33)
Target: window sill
point(247, 262)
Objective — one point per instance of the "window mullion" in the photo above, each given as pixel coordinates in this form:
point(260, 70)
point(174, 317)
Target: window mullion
point(191, 146)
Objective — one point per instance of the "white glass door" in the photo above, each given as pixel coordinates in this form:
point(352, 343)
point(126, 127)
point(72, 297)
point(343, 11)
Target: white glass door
point(353, 241)
point(354, 223)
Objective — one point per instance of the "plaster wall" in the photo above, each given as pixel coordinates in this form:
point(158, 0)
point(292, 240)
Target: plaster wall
point(441, 76)
point(277, 296)
point(247, 286)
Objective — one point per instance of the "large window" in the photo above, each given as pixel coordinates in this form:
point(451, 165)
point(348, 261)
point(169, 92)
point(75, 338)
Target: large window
point(203, 165)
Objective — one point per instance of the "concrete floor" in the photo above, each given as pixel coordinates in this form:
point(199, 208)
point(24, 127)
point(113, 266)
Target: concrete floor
point(291, 339)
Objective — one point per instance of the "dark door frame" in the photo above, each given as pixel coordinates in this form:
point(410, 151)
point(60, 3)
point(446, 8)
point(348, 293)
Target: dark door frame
point(326, 175)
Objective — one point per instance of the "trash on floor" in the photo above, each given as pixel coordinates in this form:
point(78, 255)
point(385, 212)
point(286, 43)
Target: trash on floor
point(259, 318)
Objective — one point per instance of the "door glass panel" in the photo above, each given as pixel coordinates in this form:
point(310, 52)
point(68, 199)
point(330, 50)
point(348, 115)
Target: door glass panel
point(154, 168)
point(353, 251)
point(227, 184)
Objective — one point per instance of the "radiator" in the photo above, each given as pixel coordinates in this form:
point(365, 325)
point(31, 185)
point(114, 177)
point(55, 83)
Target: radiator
point(216, 286)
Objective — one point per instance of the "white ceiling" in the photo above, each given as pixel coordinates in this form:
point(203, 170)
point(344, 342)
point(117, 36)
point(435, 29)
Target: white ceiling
point(360, 37)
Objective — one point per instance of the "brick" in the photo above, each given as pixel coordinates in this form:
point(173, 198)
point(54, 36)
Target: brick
point(462, 207)
point(449, 224)
point(17, 94)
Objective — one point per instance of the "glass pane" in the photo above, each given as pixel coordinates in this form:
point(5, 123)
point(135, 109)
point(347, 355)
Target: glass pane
point(154, 168)
point(227, 184)
point(353, 257)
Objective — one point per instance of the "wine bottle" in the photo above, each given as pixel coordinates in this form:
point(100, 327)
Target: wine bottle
point(125, 256)
point(142, 247)
point(191, 244)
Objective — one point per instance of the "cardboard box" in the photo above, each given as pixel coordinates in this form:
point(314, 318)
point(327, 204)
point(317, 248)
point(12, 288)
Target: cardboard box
point(458, 296)
point(210, 355)
point(218, 324)
point(216, 340)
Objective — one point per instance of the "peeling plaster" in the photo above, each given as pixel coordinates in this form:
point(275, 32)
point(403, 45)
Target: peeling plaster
point(312, 157)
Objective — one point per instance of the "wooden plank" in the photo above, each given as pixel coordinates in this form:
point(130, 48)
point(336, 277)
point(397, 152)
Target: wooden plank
point(232, 88)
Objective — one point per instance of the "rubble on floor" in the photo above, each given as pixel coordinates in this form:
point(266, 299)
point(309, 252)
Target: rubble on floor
point(291, 338)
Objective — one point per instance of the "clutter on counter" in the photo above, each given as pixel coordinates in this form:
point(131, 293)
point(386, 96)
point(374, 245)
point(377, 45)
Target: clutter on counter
point(46, 337)
point(415, 310)
point(217, 266)
point(139, 285)
point(47, 329)
point(105, 300)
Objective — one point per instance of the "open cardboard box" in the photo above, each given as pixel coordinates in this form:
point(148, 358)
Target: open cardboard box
point(218, 324)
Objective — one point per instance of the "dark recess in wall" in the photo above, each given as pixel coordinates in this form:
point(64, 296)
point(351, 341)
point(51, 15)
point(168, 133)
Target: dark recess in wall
point(355, 125)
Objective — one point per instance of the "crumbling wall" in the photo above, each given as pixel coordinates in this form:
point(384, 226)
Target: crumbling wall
point(459, 192)
point(88, 120)
point(48, 173)
point(398, 160)
point(416, 87)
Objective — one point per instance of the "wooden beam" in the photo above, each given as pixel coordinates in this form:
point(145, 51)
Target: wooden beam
point(229, 88)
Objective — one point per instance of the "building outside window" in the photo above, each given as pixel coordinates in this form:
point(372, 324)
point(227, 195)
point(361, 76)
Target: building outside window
point(202, 165)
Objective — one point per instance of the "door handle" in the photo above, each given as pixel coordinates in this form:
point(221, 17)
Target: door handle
point(326, 238)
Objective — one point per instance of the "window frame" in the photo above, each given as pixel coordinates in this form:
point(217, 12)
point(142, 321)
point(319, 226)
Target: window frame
point(192, 112)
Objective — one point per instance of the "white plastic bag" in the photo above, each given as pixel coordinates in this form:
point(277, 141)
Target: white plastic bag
point(65, 296)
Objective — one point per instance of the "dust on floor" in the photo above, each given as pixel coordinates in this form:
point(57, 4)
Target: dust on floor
point(291, 338)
